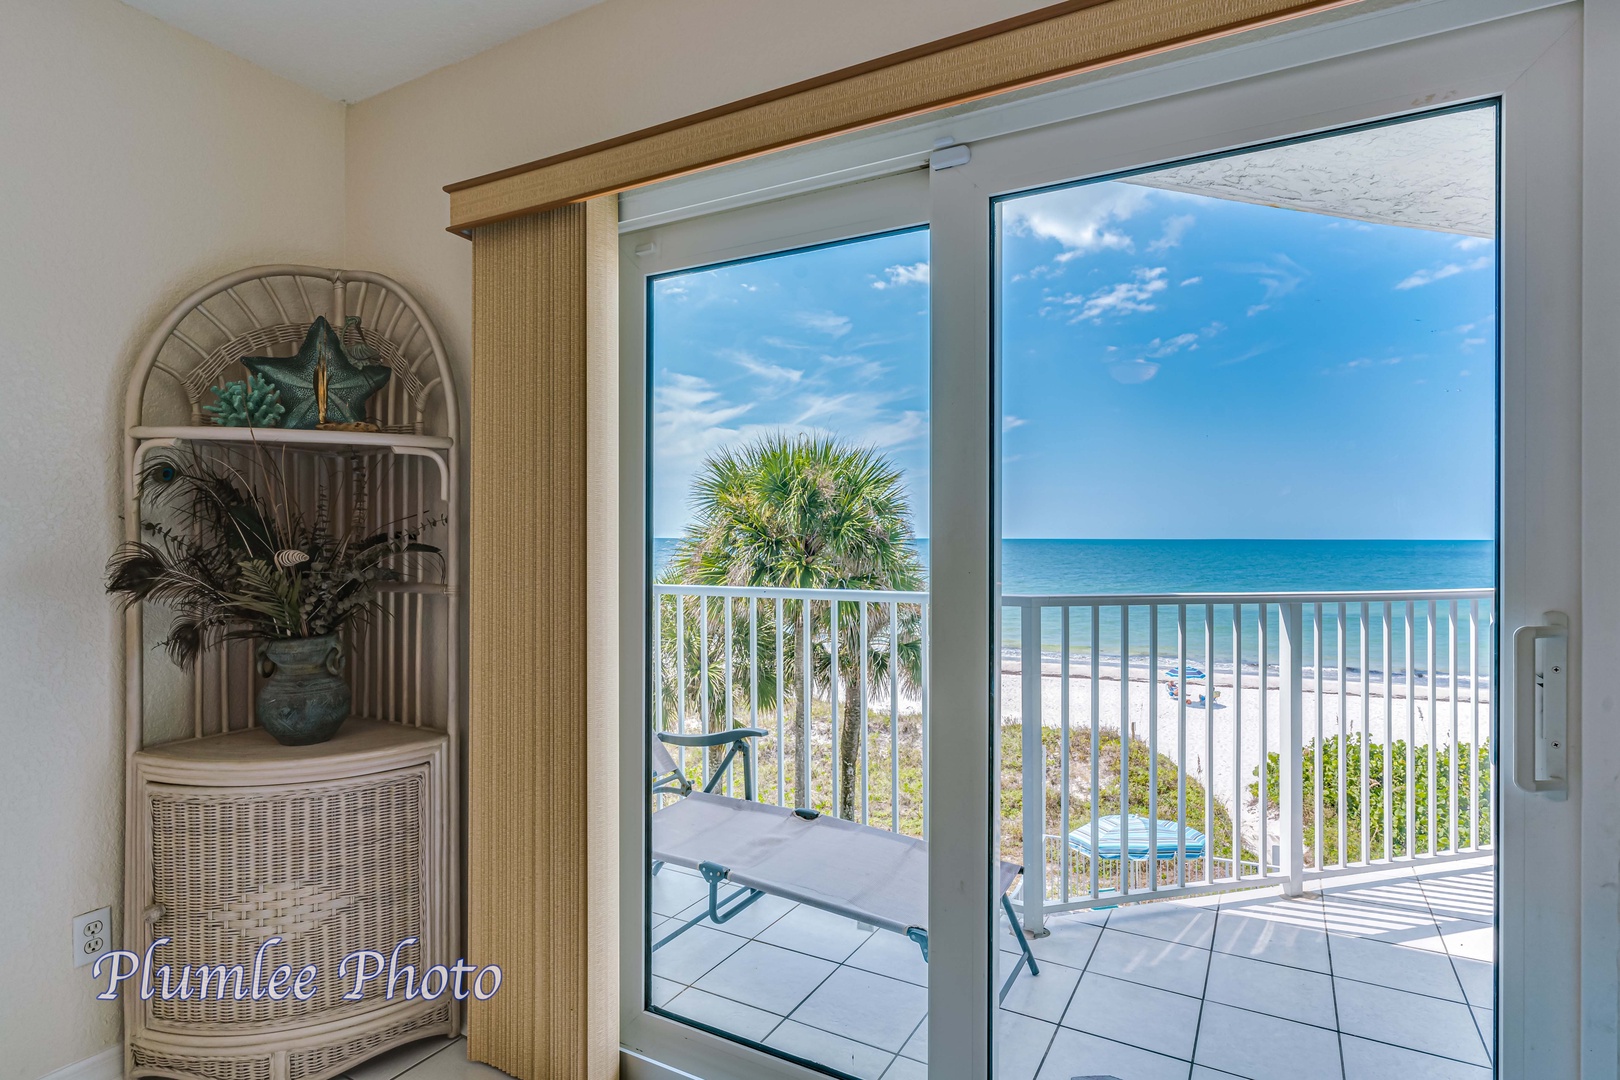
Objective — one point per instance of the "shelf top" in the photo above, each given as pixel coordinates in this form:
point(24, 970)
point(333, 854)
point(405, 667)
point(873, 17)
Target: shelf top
point(379, 440)
point(355, 739)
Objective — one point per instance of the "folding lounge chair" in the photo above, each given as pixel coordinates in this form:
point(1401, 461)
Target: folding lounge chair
point(873, 876)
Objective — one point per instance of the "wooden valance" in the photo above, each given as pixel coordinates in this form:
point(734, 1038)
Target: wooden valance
point(1049, 43)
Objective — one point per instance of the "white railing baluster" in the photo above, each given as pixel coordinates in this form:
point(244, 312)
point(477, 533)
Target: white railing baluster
point(1263, 809)
point(703, 680)
point(1095, 749)
point(1319, 691)
point(1181, 745)
point(1209, 743)
point(1411, 732)
point(1237, 742)
point(1388, 779)
point(1034, 768)
point(1063, 752)
point(925, 653)
point(680, 675)
point(1291, 781)
point(1153, 748)
point(781, 729)
point(833, 674)
point(726, 680)
point(1452, 830)
point(1341, 799)
point(1362, 644)
point(894, 717)
point(1474, 793)
point(1124, 751)
point(1434, 731)
point(865, 747)
point(806, 798)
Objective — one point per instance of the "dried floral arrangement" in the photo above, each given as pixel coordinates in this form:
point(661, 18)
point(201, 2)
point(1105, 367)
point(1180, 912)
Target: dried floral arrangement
point(233, 555)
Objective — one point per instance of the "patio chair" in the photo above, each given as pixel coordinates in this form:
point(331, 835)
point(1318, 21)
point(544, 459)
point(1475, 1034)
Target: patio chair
point(874, 876)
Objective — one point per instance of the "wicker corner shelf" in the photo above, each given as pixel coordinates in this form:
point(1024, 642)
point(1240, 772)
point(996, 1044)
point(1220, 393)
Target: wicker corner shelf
point(231, 838)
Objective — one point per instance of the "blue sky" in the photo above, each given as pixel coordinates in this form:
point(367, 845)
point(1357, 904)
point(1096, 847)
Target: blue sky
point(1173, 366)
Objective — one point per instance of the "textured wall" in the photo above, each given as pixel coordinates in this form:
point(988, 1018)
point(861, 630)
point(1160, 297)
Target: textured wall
point(138, 162)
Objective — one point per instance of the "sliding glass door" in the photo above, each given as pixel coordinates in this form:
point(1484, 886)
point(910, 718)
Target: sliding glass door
point(1073, 591)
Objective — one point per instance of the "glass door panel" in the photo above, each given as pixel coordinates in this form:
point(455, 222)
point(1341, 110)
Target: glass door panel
point(1248, 513)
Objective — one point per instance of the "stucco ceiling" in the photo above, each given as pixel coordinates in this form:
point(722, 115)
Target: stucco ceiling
point(1435, 173)
point(352, 49)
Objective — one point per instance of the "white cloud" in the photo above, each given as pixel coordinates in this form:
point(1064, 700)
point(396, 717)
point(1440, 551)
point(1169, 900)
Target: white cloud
point(1081, 218)
point(915, 274)
point(1130, 372)
point(1469, 343)
point(763, 369)
point(1159, 348)
point(1473, 243)
point(1010, 421)
point(1420, 278)
point(691, 417)
point(1278, 277)
point(824, 322)
point(1255, 309)
point(1125, 298)
point(1174, 229)
point(1194, 280)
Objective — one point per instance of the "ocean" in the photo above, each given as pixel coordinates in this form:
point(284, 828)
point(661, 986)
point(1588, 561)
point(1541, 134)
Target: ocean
point(1093, 567)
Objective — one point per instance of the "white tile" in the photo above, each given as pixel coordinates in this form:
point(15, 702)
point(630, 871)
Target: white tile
point(1264, 1047)
point(1416, 970)
point(1272, 940)
point(1069, 943)
point(688, 957)
point(662, 990)
point(1075, 1053)
point(1472, 940)
point(1391, 925)
point(1185, 924)
point(1462, 895)
point(1478, 981)
point(906, 1069)
point(1021, 1043)
point(751, 921)
point(1164, 964)
point(825, 1048)
point(873, 1009)
point(675, 889)
point(1292, 993)
point(1484, 1020)
point(1365, 1060)
point(400, 1059)
point(819, 933)
point(766, 977)
point(916, 1047)
point(892, 955)
point(726, 1015)
point(451, 1064)
point(1127, 1012)
point(1421, 1023)
point(1042, 996)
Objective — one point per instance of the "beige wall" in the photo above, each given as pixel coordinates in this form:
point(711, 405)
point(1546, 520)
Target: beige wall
point(613, 68)
point(136, 163)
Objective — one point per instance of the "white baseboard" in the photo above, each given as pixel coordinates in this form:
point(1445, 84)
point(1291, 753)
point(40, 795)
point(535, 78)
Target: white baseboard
point(107, 1065)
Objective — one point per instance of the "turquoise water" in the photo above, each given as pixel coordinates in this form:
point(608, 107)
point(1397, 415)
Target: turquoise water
point(1098, 567)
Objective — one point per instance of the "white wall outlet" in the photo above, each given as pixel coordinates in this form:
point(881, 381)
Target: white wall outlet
point(92, 936)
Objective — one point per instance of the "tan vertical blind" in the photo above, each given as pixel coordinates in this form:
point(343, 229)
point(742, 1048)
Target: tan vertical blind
point(543, 747)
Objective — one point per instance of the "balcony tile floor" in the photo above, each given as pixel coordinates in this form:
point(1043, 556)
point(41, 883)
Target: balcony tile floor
point(1386, 974)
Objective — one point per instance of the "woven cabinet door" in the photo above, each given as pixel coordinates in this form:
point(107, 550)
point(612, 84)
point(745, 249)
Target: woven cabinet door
point(330, 868)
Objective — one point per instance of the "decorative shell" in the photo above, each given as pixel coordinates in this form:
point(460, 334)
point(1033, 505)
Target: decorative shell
point(287, 558)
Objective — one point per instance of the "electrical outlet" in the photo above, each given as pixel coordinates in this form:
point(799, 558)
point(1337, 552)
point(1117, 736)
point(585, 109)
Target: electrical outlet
point(92, 936)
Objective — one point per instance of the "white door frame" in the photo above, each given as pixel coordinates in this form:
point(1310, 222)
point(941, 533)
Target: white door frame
point(1532, 65)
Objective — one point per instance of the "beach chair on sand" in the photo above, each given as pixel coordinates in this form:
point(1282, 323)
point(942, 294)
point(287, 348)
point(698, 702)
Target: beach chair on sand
point(873, 876)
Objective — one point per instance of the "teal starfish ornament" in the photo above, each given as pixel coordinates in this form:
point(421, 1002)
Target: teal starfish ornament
point(320, 385)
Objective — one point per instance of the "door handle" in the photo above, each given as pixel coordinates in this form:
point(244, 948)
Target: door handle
point(1548, 725)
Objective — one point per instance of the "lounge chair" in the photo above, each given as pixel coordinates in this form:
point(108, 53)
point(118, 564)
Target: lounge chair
point(873, 876)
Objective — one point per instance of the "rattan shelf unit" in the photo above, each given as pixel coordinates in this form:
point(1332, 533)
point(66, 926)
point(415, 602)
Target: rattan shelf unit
point(231, 838)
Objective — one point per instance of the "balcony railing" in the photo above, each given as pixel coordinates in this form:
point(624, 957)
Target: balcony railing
point(1274, 738)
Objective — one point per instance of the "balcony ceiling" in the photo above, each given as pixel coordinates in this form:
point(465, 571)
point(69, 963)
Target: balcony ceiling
point(1438, 173)
point(352, 49)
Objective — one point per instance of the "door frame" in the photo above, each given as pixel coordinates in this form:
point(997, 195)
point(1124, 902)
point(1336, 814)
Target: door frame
point(1531, 65)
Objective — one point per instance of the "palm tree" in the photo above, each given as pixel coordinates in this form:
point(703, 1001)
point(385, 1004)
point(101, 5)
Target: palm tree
point(807, 513)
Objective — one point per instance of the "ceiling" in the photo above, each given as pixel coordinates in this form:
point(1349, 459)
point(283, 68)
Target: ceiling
point(352, 49)
point(1438, 173)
